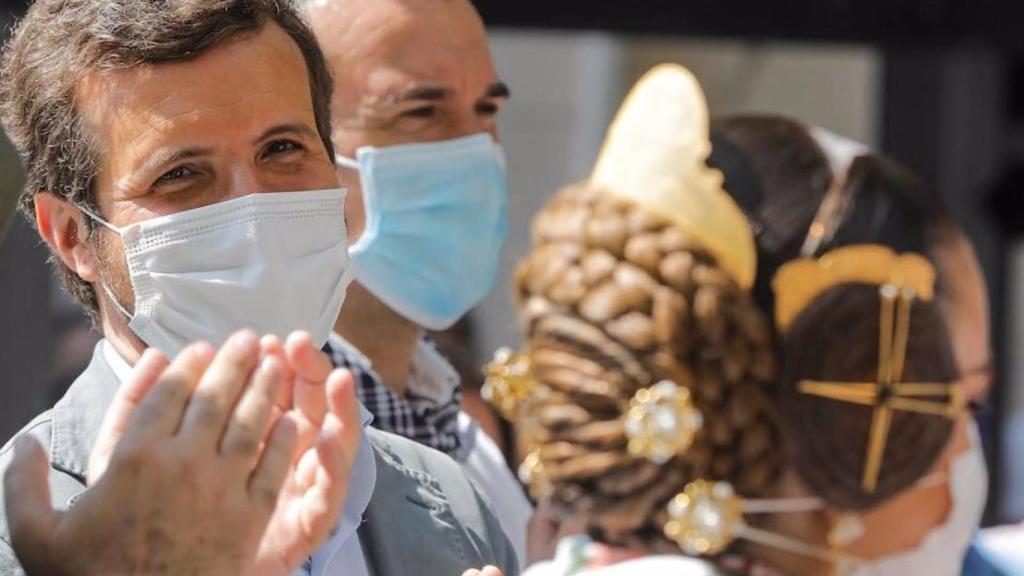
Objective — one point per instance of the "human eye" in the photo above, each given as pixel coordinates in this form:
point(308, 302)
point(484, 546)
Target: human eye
point(278, 147)
point(421, 112)
point(174, 175)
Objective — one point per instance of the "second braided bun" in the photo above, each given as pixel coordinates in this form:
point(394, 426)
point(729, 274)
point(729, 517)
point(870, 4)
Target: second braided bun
point(614, 299)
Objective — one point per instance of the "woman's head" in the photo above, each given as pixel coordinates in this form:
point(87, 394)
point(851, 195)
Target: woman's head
point(789, 182)
point(615, 300)
point(836, 340)
point(780, 172)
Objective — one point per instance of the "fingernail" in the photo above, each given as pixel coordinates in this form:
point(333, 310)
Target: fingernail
point(270, 365)
point(245, 341)
point(270, 341)
point(152, 355)
point(200, 350)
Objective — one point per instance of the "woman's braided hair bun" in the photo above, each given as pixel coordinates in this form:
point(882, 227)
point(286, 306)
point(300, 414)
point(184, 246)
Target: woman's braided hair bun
point(614, 299)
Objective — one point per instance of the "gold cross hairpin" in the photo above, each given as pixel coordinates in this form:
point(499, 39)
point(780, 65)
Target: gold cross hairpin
point(889, 394)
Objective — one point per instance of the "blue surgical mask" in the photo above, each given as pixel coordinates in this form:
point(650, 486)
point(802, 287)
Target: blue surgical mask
point(436, 220)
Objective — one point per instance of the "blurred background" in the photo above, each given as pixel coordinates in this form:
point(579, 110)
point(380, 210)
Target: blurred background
point(935, 84)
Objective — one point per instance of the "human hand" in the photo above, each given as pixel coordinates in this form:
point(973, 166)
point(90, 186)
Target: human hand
point(320, 401)
point(330, 430)
point(191, 486)
point(545, 530)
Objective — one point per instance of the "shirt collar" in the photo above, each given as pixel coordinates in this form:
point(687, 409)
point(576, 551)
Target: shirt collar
point(117, 363)
point(427, 413)
point(431, 376)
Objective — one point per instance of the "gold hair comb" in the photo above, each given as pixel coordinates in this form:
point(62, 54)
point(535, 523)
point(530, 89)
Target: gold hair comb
point(800, 282)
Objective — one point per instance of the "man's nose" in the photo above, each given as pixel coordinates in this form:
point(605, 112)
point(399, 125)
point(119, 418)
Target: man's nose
point(245, 180)
point(469, 122)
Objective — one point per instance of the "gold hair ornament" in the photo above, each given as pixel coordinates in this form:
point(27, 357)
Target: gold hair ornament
point(798, 283)
point(833, 207)
point(889, 393)
point(509, 382)
point(531, 474)
point(707, 517)
point(655, 154)
point(662, 422)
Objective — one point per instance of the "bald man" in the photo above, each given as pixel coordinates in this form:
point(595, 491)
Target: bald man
point(414, 124)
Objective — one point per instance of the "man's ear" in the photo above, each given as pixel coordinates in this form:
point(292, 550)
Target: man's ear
point(63, 227)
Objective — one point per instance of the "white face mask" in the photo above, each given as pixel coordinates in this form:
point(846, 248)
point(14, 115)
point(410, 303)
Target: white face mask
point(270, 262)
point(942, 551)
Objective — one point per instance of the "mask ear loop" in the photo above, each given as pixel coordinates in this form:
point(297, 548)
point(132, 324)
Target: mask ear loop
point(99, 219)
point(345, 162)
point(106, 289)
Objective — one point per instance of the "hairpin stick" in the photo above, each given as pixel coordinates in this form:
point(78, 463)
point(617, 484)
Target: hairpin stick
point(706, 517)
point(902, 334)
point(880, 424)
point(836, 391)
point(887, 293)
point(866, 389)
point(888, 393)
point(921, 406)
point(848, 397)
point(922, 389)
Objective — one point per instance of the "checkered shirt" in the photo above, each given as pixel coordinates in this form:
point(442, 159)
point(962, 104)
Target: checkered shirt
point(429, 418)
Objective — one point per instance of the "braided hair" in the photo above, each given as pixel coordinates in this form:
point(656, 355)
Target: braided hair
point(614, 299)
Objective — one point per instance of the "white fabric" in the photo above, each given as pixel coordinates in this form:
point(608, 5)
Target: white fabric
point(431, 375)
point(647, 566)
point(273, 262)
point(1006, 543)
point(840, 150)
point(119, 365)
point(342, 553)
point(572, 551)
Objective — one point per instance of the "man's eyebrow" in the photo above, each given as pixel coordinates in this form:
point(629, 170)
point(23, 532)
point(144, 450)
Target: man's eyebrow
point(162, 158)
point(288, 129)
point(498, 90)
point(429, 92)
point(157, 161)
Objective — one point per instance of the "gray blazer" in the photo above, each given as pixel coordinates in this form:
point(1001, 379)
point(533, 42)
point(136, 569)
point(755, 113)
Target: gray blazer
point(425, 518)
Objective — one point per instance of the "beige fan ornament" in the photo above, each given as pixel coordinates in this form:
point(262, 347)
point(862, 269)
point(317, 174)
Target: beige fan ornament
point(655, 154)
